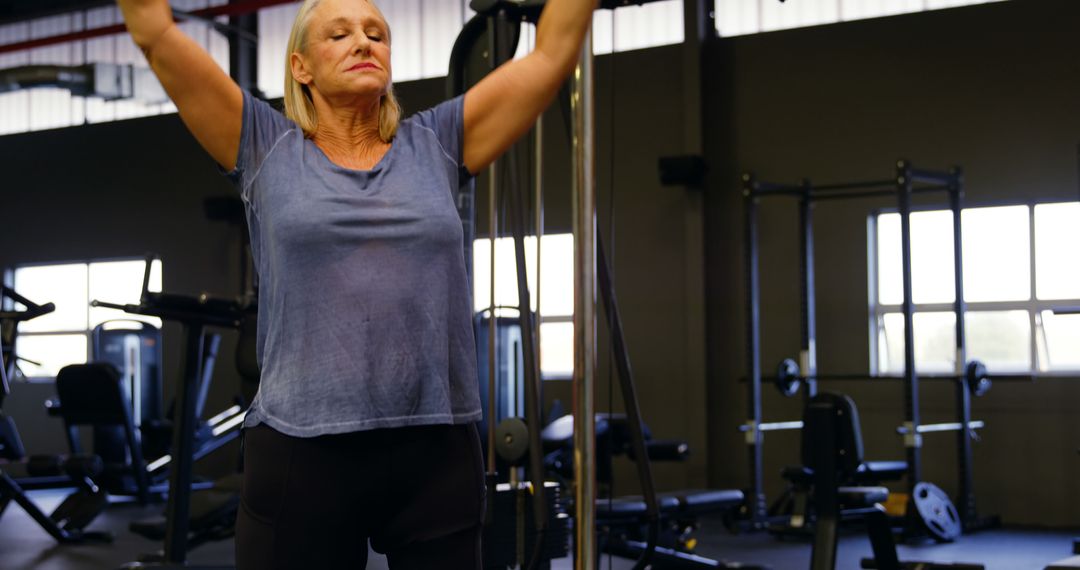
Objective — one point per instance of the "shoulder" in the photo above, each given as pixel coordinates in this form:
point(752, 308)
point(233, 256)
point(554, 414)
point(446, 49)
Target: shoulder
point(261, 113)
point(444, 116)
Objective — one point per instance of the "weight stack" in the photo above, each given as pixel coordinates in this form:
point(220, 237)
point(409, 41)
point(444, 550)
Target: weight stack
point(513, 523)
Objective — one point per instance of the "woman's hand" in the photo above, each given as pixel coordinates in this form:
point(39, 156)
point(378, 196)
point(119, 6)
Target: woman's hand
point(209, 102)
point(505, 104)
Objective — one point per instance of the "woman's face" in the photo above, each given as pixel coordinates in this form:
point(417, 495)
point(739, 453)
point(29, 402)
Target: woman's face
point(347, 52)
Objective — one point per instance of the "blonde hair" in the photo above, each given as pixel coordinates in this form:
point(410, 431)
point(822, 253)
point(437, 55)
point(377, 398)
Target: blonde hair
point(298, 104)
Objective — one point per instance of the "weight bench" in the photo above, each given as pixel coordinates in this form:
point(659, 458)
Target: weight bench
point(832, 451)
point(795, 502)
point(68, 522)
point(621, 520)
point(1070, 562)
point(622, 536)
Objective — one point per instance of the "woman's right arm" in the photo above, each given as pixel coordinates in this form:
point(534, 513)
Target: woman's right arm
point(210, 103)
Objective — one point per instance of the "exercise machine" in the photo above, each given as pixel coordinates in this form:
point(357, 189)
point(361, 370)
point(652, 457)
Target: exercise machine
point(68, 522)
point(195, 314)
point(832, 451)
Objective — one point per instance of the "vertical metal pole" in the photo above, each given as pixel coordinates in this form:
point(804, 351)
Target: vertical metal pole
point(243, 52)
point(493, 233)
point(808, 352)
point(538, 210)
point(178, 505)
point(913, 439)
point(584, 188)
point(964, 459)
point(756, 500)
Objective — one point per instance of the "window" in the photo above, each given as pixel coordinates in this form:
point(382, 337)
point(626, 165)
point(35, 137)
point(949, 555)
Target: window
point(1019, 266)
point(50, 342)
point(47, 107)
point(741, 17)
point(556, 293)
point(423, 39)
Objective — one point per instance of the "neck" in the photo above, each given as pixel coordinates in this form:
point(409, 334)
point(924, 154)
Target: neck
point(349, 133)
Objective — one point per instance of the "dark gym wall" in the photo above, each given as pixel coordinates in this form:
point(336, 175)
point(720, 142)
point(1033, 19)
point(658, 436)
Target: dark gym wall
point(988, 87)
point(117, 190)
point(123, 189)
point(992, 88)
point(129, 187)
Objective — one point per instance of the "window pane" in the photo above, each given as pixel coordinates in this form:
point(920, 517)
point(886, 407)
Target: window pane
point(931, 262)
point(1062, 341)
point(505, 273)
point(737, 17)
point(890, 279)
point(557, 349)
point(63, 285)
point(121, 282)
point(935, 343)
point(997, 254)
point(1057, 267)
point(53, 352)
point(932, 274)
point(1001, 339)
point(556, 275)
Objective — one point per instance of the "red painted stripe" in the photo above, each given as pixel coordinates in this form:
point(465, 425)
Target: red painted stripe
point(224, 10)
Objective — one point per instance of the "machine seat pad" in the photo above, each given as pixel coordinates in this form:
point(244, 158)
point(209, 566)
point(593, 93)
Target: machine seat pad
point(869, 473)
point(857, 497)
point(632, 507)
point(700, 501)
point(797, 474)
point(687, 502)
point(876, 471)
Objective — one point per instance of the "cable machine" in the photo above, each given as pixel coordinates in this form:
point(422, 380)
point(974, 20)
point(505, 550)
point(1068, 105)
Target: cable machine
point(499, 20)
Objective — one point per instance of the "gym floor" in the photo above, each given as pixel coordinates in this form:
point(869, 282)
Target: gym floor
point(24, 546)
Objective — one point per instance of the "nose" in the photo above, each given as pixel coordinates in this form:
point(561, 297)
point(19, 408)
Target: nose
point(362, 45)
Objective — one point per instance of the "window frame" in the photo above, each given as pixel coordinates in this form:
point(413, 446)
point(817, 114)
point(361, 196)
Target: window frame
point(502, 310)
point(9, 280)
point(1033, 306)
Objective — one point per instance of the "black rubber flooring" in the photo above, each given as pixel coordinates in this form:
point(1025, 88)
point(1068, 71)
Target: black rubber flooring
point(24, 546)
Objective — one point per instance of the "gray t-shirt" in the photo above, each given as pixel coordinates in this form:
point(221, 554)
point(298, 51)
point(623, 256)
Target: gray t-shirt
point(365, 312)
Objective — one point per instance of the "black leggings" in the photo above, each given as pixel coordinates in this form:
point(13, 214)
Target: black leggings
point(417, 493)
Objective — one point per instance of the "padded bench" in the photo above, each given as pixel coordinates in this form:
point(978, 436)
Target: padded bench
point(1071, 562)
point(691, 503)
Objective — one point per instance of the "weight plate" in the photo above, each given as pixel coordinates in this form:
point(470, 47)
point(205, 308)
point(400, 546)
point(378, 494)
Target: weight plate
point(937, 512)
point(787, 377)
point(511, 440)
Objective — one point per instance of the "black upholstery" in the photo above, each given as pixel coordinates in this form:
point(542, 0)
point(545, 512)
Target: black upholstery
point(93, 394)
point(11, 447)
point(847, 435)
point(690, 502)
point(832, 450)
point(878, 471)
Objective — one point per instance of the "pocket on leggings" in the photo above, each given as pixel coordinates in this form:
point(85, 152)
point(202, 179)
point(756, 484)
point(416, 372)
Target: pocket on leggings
point(267, 463)
point(473, 435)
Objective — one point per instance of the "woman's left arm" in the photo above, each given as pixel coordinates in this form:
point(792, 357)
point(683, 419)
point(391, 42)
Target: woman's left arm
point(505, 104)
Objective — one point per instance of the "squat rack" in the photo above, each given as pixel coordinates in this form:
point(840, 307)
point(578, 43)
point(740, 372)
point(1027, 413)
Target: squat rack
point(970, 378)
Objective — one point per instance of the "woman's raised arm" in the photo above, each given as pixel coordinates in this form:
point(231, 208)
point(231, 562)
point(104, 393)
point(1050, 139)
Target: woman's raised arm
point(505, 104)
point(210, 103)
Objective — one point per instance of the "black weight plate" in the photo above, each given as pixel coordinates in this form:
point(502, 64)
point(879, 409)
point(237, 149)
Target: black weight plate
point(937, 512)
point(511, 439)
point(787, 377)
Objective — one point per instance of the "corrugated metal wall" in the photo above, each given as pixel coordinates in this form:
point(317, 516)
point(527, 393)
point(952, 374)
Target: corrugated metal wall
point(740, 17)
point(424, 31)
point(47, 108)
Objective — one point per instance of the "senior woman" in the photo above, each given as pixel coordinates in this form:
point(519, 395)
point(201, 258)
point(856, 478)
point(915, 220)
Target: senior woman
point(364, 424)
